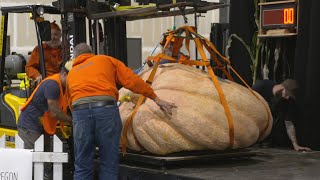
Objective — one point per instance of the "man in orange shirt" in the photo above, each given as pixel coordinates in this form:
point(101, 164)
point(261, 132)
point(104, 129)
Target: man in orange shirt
point(52, 56)
point(93, 94)
point(46, 105)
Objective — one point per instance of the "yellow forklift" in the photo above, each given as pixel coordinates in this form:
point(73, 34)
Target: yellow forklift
point(15, 86)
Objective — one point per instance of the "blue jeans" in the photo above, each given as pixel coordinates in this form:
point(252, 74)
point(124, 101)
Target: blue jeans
point(99, 126)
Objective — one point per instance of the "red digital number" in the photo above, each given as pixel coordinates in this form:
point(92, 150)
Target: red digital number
point(288, 16)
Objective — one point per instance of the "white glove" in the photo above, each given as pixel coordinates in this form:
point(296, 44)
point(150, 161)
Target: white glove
point(37, 80)
point(164, 105)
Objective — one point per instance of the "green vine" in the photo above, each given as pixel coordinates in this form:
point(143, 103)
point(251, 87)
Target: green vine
point(256, 47)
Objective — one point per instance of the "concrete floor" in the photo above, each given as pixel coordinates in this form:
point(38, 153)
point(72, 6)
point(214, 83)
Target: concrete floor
point(267, 164)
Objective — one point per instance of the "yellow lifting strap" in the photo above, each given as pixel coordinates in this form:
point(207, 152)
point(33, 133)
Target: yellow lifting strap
point(141, 99)
point(212, 50)
point(160, 56)
point(129, 121)
point(264, 105)
point(200, 42)
point(218, 87)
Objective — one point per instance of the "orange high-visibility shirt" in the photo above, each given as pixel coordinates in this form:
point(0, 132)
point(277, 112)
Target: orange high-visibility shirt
point(52, 57)
point(97, 75)
point(50, 123)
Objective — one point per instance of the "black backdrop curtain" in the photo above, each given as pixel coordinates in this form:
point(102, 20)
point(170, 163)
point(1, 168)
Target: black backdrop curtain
point(306, 62)
point(242, 24)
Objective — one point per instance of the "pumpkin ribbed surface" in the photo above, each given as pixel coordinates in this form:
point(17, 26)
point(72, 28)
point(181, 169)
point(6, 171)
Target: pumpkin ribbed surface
point(199, 122)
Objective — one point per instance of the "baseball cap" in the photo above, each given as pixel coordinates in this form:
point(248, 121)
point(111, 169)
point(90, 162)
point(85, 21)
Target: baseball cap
point(291, 87)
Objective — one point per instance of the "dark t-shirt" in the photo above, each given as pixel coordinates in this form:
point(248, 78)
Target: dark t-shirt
point(281, 110)
point(285, 108)
point(29, 117)
point(264, 88)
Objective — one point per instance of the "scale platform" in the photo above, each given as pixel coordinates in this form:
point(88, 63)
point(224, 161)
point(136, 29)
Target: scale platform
point(183, 158)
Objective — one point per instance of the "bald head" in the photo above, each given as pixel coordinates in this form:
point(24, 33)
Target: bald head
point(81, 48)
point(55, 26)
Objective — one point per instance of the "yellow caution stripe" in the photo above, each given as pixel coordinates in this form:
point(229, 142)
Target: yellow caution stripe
point(124, 8)
point(1, 33)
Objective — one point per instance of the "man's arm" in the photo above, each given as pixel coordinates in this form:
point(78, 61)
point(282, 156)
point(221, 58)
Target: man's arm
point(55, 111)
point(33, 65)
point(32, 68)
point(126, 77)
point(137, 85)
point(292, 135)
point(52, 94)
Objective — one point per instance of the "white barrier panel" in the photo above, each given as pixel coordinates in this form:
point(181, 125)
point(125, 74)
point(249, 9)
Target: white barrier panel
point(16, 164)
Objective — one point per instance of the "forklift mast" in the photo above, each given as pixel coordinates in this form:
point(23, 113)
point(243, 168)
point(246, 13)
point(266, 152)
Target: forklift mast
point(113, 33)
point(3, 47)
point(73, 32)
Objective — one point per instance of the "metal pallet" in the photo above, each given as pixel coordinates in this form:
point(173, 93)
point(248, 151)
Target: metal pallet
point(183, 158)
point(164, 10)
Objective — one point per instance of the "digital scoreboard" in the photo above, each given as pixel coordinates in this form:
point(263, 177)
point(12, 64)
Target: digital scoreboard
point(278, 18)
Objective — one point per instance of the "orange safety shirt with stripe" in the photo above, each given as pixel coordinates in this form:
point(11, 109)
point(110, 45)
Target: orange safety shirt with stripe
point(50, 123)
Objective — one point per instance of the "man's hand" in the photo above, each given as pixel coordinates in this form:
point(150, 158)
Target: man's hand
point(292, 135)
point(300, 148)
point(37, 80)
point(164, 105)
point(55, 111)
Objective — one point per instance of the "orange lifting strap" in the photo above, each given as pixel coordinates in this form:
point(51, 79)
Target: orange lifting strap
point(200, 42)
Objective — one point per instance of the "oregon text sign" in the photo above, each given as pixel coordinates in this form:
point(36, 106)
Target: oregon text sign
point(15, 164)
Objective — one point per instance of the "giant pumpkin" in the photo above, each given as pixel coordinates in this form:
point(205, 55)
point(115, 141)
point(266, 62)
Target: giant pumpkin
point(199, 122)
